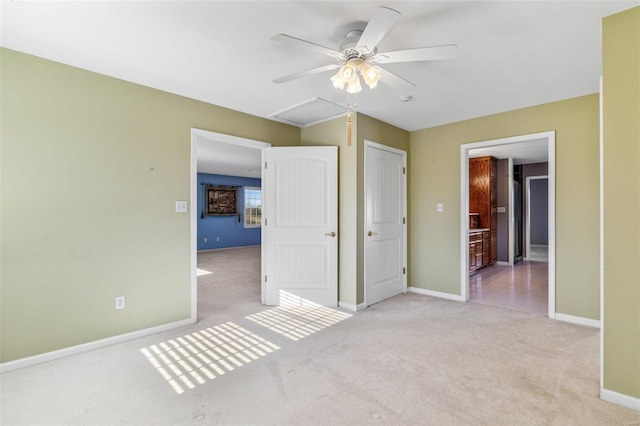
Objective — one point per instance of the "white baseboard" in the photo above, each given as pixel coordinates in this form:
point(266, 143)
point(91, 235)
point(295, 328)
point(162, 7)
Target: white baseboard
point(85, 347)
point(226, 248)
point(502, 263)
point(620, 399)
point(350, 307)
point(434, 293)
point(578, 320)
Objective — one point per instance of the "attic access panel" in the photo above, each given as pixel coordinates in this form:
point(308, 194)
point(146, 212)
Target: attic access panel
point(310, 112)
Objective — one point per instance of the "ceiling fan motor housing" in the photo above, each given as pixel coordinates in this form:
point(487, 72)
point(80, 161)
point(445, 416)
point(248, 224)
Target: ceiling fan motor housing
point(349, 51)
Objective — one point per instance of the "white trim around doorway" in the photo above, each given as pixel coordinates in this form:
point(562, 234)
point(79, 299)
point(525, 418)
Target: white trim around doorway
point(548, 137)
point(511, 220)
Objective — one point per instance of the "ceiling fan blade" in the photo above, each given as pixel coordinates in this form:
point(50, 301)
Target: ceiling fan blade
point(293, 41)
point(378, 26)
point(420, 54)
point(395, 81)
point(306, 73)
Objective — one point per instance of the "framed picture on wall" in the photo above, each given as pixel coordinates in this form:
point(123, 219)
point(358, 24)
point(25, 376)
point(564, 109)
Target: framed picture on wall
point(221, 201)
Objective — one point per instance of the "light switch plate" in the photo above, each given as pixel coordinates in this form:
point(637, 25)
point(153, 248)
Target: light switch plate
point(440, 207)
point(119, 302)
point(181, 206)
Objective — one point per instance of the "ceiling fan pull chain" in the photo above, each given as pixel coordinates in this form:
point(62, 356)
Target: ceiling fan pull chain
point(349, 108)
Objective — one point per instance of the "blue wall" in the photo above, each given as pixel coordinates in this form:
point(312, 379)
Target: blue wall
point(227, 228)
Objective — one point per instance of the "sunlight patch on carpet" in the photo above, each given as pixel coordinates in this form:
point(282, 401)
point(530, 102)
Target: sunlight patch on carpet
point(201, 272)
point(198, 357)
point(297, 319)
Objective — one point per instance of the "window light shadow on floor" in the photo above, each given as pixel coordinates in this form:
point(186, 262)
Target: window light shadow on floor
point(297, 318)
point(200, 272)
point(195, 358)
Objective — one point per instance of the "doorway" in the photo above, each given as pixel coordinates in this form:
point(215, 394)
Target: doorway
point(518, 215)
point(241, 153)
point(544, 140)
point(537, 218)
point(385, 222)
point(300, 189)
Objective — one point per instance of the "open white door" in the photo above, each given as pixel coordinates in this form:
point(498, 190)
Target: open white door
point(385, 239)
point(299, 226)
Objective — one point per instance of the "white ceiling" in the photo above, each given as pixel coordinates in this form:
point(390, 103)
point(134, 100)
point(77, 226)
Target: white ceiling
point(511, 54)
point(220, 158)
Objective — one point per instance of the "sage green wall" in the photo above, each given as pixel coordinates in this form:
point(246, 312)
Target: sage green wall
point(434, 175)
point(351, 187)
point(621, 114)
point(91, 169)
point(334, 133)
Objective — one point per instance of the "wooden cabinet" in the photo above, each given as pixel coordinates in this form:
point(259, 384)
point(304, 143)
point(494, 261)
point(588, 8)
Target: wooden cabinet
point(476, 255)
point(472, 255)
point(487, 245)
point(483, 200)
point(479, 249)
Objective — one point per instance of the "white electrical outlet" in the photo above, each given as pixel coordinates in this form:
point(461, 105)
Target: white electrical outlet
point(440, 207)
point(119, 302)
point(205, 239)
point(218, 239)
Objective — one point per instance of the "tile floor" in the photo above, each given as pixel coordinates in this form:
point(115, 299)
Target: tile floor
point(523, 287)
point(539, 253)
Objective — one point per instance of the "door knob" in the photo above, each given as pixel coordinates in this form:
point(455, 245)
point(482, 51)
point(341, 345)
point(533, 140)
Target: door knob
point(330, 234)
point(371, 233)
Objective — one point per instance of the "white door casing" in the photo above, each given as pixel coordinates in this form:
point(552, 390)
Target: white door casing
point(385, 222)
point(300, 226)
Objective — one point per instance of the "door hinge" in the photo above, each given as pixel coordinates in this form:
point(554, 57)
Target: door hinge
point(404, 271)
point(404, 170)
point(404, 220)
point(265, 278)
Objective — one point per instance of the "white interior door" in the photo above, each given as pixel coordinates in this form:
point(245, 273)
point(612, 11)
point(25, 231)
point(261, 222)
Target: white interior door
point(299, 226)
point(385, 232)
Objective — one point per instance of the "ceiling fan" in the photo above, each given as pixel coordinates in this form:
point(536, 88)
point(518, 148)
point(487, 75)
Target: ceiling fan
point(358, 51)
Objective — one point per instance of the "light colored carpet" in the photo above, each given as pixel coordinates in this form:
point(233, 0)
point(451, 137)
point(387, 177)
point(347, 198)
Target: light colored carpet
point(408, 360)
point(234, 279)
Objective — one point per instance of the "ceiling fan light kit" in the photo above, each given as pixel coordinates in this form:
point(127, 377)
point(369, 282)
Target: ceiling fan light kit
point(370, 74)
point(349, 74)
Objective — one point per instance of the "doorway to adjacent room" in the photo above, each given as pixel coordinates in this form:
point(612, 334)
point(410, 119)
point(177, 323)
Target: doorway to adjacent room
point(512, 266)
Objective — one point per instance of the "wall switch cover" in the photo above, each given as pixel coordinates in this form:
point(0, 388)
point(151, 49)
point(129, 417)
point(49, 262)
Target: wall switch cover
point(119, 302)
point(440, 207)
point(181, 206)
point(501, 210)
